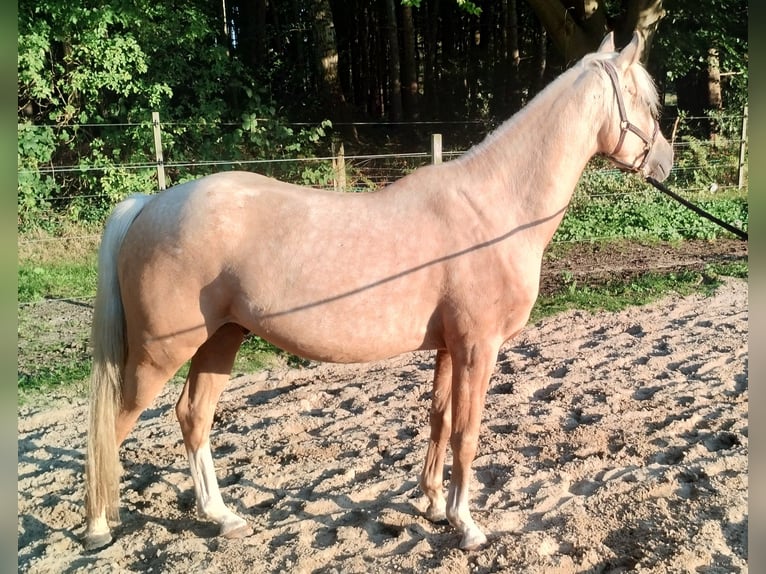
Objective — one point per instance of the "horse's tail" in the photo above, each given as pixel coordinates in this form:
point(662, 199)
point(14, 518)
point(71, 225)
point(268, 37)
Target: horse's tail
point(102, 467)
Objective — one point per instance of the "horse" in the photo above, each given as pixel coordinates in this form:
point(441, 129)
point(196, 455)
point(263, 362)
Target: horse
point(446, 259)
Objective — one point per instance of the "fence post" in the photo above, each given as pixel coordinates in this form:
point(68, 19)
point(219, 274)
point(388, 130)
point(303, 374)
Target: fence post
point(158, 150)
point(339, 168)
point(742, 146)
point(436, 148)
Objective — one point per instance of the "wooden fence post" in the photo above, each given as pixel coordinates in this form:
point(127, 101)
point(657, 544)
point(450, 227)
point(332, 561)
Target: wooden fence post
point(158, 150)
point(339, 168)
point(742, 147)
point(436, 148)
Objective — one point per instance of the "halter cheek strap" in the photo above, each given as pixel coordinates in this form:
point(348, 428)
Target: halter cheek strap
point(626, 126)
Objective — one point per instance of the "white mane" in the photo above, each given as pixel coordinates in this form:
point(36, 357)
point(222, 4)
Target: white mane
point(645, 87)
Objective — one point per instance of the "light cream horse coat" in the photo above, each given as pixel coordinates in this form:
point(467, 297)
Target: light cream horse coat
point(447, 258)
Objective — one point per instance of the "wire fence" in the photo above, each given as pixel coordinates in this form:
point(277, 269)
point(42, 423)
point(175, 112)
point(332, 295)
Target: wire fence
point(724, 157)
point(155, 158)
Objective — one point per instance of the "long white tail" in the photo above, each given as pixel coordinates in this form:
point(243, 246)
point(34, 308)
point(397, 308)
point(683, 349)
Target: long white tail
point(102, 467)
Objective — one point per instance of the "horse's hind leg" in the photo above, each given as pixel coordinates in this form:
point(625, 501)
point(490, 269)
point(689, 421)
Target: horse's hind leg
point(143, 380)
point(208, 375)
point(441, 425)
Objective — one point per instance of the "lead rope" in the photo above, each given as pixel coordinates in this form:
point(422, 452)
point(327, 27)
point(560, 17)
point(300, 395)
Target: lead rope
point(698, 210)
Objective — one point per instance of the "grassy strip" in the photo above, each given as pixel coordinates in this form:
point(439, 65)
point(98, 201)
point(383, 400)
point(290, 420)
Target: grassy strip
point(59, 280)
point(69, 374)
point(616, 295)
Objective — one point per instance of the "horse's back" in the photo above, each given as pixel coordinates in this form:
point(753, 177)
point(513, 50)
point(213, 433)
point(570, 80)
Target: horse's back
point(303, 267)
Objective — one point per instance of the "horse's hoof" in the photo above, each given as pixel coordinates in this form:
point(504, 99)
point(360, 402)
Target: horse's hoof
point(93, 542)
point(241, 531)
point(473, 540)
point(436, 517)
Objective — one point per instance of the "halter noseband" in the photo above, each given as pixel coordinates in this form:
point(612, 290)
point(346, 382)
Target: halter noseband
point(626, 126)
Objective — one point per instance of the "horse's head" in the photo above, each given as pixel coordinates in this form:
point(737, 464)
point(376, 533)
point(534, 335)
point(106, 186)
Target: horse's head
point(631, 136)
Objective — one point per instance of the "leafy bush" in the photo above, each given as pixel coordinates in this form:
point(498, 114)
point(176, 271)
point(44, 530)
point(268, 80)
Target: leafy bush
point(648, 215)
point(89, 79)
point(35, 189)
point(610, 204)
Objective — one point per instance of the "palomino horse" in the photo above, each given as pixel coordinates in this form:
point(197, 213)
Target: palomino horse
point(447, 258)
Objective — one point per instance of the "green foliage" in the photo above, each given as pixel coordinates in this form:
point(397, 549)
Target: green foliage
point(648, 215)
point(609, 204)
point(466, 5)
point(89, 76)
point(690, 28)
point(700, 165)
point(256, 354)
point(60, 374)
point(35, 189)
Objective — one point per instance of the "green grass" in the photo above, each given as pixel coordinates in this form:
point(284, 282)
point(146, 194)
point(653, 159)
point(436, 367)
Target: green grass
point(57, 280)
point(66, 377)
point(617, 294)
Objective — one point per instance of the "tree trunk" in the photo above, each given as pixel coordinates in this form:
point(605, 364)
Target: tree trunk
point(714, 99)
point(577, 27)
point(327, 53)
point(326, 58)
point(512, 57)
point(367, 75)
point(409, 66)
point(641, 15)
point(296, 42)
point(699, 94)
point(260, 43)
point(430, 75)
point(226, 31)
point(250, 24)
point(394, 67)
point(567, 35)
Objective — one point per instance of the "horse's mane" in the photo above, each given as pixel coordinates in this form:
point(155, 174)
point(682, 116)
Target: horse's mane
point(646, 89)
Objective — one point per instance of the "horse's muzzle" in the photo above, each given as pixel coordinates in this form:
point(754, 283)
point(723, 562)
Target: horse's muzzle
point(660, 159)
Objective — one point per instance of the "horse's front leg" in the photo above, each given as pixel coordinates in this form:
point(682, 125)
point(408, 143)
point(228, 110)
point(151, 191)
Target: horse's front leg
point(208, 375)
point(432, 477)
point(472, 368)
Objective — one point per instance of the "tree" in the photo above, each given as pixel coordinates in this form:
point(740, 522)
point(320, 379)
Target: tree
point(86, 69)
point(576, 27)
point(704, 59)
point(246, 65)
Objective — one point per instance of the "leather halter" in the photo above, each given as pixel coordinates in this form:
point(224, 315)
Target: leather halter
point(626, 126)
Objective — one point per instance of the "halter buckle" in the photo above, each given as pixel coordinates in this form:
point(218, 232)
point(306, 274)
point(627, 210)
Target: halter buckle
point(626, 126)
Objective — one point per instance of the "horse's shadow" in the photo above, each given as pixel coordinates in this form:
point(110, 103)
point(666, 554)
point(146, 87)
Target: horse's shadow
point(288, 507)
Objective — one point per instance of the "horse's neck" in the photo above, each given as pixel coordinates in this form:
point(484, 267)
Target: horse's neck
point(527, 170)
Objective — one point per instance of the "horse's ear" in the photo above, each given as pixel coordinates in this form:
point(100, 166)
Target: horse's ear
point(607, 44)
point(631, 53)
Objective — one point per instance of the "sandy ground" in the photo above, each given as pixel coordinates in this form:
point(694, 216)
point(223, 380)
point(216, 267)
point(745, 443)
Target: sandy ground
point(611, 442)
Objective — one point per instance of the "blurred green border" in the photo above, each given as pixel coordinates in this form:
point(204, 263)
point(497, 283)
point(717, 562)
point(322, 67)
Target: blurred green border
point(757, 282)
point(8, 450)
point(757, 177)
